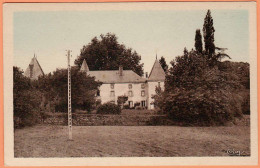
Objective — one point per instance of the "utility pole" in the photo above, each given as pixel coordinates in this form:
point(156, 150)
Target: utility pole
point(69, 98)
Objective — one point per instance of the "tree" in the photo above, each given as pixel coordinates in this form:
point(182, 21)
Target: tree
point(208, 34)
point(198, 41)
point(121, 100)
point(163, 64)
point(198, 94)
point(26, 100)
point(83, 89)
point(107, 54)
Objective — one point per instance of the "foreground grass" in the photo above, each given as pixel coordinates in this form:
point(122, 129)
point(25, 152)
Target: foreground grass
point(127, 141)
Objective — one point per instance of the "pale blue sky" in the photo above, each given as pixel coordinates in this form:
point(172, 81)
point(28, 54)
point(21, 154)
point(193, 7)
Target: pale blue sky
point(49, 34)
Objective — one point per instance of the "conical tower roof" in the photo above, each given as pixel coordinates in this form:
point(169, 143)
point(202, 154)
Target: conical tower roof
point(84, 66)
point(157, 73)
point(34, 69)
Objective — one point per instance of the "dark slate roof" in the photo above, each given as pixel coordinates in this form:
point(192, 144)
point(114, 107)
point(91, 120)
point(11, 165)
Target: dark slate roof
point(112, 76)
point(36, 70)
point(157, 72)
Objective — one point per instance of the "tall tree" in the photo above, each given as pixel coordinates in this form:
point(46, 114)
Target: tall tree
point(185, 53)
point(163, 64)
point(208, 34)
point(26, 100)
point(55, 88)
point(107, 54)
point(198, 41)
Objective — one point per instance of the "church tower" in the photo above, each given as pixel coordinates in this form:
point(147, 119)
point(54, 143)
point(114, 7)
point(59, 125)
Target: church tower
point(84, 67)
point(34, 69)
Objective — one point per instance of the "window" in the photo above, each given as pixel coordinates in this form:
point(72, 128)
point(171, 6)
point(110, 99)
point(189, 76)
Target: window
point(159, 84)
point(130, 103)
point(112, 94)
point(98, 92)
point(130, 86)
point(143, 93)
point(112, 85)
point(142, 85)
point(130, 94)
point(113, 102)
point(143, 103)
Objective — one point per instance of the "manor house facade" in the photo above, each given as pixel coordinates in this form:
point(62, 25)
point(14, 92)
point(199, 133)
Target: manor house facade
point(115, 83)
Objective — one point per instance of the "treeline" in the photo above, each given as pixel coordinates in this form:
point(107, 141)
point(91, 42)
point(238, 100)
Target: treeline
point(33, 98)
point(202, 90)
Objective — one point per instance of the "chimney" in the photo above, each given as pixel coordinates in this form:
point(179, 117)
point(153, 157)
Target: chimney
point(146, 74)
point(120, 70)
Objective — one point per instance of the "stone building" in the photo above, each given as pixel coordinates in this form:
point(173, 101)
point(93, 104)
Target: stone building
point(139, 90)
point(34, 69)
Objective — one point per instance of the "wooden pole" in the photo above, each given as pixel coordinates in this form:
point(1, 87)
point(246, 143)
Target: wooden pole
point(69, 98)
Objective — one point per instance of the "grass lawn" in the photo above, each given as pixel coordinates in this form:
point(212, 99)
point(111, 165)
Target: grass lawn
point(127, 141)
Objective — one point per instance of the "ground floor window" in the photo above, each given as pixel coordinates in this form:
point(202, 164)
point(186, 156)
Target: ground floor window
point(143, 103)
point(130, 103)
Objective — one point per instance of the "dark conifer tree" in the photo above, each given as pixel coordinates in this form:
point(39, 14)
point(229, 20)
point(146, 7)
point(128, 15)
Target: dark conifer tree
point(163, 64)
point(208, 34)
point(198, 41)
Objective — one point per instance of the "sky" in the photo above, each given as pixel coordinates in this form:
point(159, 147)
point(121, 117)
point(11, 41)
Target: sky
point(49, 34)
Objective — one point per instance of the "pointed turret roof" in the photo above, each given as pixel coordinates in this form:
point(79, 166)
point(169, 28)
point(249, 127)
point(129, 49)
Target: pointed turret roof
point(157, 73)
point(34, 69)
point(84, 66)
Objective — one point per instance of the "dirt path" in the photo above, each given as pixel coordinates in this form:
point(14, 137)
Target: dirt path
point(127, 141)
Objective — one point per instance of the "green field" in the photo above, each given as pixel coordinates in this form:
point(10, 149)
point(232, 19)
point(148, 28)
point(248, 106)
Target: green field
point(128, 141)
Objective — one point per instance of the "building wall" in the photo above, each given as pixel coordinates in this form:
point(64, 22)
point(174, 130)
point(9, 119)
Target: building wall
point(121, 89)
point(151, 91)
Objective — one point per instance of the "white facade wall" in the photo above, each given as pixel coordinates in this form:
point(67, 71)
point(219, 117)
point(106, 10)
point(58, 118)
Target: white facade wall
point(151, 92)
point(121, 89)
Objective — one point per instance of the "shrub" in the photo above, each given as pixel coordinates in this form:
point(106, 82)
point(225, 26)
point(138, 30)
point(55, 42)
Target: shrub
point(137, 104)
point(109, 108)
point(126, 106)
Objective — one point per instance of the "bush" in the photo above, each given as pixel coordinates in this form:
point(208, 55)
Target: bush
point(109, 108)
point(126, 106)
point(137, 104)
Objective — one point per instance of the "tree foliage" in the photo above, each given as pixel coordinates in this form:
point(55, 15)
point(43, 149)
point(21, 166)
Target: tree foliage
point(196, 93)
point(107, 54)
point(55, 88)
point(198, 41)
point(109, 108)
point(26, 100)
point(208, 34)
point(163, 64)
point(121, 100)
